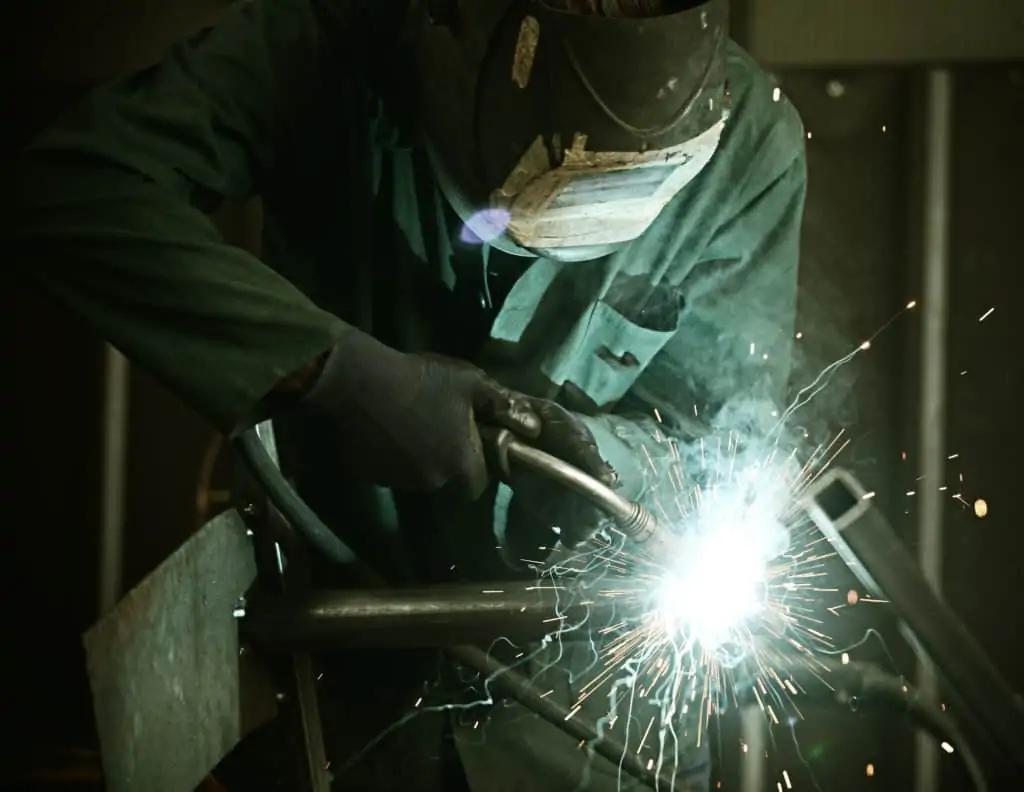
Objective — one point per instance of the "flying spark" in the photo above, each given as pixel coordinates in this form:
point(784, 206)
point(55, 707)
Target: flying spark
point(746, 595)
point(745, 602)
point(728, 620)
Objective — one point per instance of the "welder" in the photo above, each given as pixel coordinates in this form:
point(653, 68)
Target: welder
point(568, 217)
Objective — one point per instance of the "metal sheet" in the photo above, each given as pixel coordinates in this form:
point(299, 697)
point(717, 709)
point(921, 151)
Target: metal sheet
point(164, 666)
point(863, 32)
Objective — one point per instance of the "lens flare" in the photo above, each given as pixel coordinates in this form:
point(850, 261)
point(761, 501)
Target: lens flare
point(484, 226)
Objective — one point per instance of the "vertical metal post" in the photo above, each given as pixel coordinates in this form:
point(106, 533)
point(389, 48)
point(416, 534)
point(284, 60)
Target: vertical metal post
point(938, 138)
point(113, 471)
point(753, 762)
point(299, 701)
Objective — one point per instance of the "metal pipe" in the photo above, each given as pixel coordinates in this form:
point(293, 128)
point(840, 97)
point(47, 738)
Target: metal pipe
point(503, 677)
point(434, 616)
point(753, 760)
point(846, 683)
point(299, 703)
point(932, 410)
point(517, 686)
point(113, 471)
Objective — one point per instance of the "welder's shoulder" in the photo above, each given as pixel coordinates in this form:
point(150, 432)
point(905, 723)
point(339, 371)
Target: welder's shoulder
point(764, 132)
point(220, 107)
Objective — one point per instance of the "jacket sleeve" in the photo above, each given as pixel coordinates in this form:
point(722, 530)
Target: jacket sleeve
point(733, 354)
point(106, 215)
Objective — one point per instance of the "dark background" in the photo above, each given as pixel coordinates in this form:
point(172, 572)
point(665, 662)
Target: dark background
point(852, 68)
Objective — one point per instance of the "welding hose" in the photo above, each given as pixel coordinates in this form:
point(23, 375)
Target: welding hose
point(293, 508)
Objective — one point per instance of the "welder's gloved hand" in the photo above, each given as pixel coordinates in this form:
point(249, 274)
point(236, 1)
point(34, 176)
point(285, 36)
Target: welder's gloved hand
point(410, 421)
point(544, 511)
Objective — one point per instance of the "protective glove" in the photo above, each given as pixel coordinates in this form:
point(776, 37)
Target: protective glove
point(542, 511)
point(410, 421)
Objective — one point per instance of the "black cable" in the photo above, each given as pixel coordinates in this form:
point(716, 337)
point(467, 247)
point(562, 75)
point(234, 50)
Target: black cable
point(865, 685)
point(287, 501)
point(890, 690)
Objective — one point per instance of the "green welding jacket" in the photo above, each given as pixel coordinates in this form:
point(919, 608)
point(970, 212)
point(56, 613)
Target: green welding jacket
point(112, 219)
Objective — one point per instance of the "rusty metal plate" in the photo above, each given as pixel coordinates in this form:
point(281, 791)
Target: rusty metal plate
point(168, 690)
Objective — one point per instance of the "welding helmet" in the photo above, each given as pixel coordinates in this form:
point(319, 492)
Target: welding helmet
point(563, 127)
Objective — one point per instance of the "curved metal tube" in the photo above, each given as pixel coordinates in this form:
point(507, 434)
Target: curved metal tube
point(632, 518)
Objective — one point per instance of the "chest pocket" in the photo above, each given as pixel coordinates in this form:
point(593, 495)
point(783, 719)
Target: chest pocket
point(605, 353)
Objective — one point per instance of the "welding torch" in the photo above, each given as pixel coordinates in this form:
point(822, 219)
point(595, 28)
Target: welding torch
point(633, 519)
point(835, 503)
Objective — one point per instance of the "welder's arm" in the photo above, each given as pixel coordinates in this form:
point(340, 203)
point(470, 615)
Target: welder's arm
point(732, 351)
point(107, 207)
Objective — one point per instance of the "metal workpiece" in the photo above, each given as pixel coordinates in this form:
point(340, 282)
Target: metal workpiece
point(516, 686)
point(437, 616)
point(635, 521)
point(275, 623)
point(450, 617)
point(848, 684)
point(867, 543)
